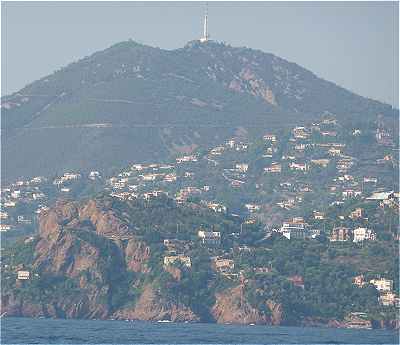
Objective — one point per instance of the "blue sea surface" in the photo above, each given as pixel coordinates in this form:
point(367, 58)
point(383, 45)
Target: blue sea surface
point(59, 331)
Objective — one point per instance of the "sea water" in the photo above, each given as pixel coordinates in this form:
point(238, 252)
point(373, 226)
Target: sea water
point(59, 331)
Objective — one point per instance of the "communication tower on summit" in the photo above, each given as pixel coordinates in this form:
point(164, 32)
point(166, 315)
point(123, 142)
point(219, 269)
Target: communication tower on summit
point(206, 35)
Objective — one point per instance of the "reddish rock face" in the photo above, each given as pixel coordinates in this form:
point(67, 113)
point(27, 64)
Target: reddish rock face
point(52, 221)
point(276, 312)
point(174, 271)
point(104, 221)
point(231, 307)
point(137, 255)
point(59, 250)
point(248, 81)
point(152, 308)
point(71, 244)
point(62, 251)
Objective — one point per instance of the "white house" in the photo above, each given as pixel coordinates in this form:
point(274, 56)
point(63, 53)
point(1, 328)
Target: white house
point(210, 237)
point(5, 227)
point(274, 168)
point(382, 284)
point(294, 230)
point(270, 137)
point(191, 158)
point(10, 203)
point(242, 167)
point(94, 175)
point(216, 207)
point(23, 275)
point(224, 265)
point(362, 234)
point(169, 260)
point(298, 166)
point(252, 207)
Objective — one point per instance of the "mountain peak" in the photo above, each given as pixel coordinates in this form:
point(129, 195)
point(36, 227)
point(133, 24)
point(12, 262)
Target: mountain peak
point(130, 43)
point(126, 98)
point(206, 44)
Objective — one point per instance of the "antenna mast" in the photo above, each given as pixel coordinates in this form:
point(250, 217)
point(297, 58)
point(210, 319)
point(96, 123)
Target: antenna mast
point(206, 35)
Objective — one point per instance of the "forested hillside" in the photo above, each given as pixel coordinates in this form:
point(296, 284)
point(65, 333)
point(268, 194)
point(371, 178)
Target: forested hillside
point(135, 102)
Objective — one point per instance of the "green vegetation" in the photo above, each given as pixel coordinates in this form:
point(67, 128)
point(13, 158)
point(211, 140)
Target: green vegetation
point(309, 278)
point(328, 290)
point(148, 79)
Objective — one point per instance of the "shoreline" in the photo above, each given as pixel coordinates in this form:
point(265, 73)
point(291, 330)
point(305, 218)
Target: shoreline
point(330, 324)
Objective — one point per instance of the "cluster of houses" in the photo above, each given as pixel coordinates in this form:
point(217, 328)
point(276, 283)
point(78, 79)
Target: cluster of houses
point(21, 202)
point(289, 161)
point(21, 192)
point(343, 234)
point(298, 229)
point(176, 248)
point(387, 297)
point(224, 264)
point(180, 180)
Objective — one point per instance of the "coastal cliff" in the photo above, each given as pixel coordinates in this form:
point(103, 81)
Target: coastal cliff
point(108, 259)
point(92, 254)
point(231, 307)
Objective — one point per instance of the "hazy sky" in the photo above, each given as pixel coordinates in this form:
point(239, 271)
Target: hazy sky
point(354, 44)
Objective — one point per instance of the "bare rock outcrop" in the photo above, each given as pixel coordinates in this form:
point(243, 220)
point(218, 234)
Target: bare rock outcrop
point(153, 307)
point(248, 81)
point(137, 254)
point(231, 307)
point(90, 245)
point(276, 312)
point(105, 221)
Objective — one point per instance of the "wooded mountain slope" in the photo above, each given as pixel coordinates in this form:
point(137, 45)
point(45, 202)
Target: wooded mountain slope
point(133, 102)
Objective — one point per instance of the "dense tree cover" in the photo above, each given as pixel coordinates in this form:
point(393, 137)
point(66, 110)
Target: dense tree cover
point(147, 80)
point(196, 287)
point(326, 270)
point(160, 218)
point(328, 290)
point(22, 252)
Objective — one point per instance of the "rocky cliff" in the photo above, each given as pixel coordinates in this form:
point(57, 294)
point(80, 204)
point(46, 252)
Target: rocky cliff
point(87, 262)
point(104, 259)
point(92, 248)
point(153, 307)
point(232, 307)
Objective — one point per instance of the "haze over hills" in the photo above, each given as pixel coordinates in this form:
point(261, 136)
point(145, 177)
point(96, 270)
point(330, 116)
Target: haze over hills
point(132, 102)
